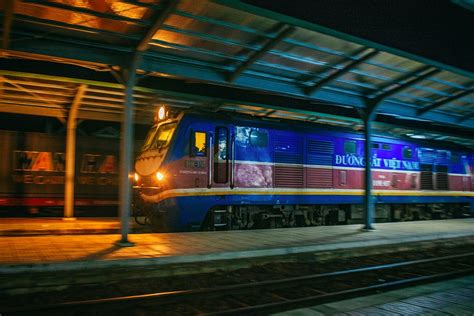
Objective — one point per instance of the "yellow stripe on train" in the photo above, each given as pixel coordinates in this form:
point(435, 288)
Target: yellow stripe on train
point(252, 191)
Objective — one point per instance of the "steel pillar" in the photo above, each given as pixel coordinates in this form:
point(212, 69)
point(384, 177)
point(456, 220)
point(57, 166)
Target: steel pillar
point(71, 153)
point(126, 153)
point(368, 198)
point(369, 116)
point(126, 146)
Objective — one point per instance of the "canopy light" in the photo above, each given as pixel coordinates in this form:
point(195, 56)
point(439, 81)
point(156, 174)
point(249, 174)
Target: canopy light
point(416, 136)
point(161, 113)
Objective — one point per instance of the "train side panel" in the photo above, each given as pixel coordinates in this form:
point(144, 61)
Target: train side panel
point(32, 171)
point(275, 166)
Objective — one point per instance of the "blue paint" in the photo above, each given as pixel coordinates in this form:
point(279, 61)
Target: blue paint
point(186, 211)
point(384, 159)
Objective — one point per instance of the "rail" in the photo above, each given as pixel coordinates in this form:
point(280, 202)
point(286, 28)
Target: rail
point(458, 266)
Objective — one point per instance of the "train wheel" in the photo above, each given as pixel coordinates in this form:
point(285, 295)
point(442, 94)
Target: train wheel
point(142, 219)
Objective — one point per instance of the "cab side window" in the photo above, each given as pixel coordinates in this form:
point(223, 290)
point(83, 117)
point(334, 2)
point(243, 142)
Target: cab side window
point(198, 144)
point(259, 138)
point(221, 155)
point(407, 153)
point(350, 147)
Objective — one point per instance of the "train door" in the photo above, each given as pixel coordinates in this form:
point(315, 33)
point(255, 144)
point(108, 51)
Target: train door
point(221, 170)
point(221, 157)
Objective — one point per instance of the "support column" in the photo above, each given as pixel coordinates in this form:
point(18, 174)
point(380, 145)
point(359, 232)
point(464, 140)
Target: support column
point(370, 111)
point(126, 155)
point(126, 150)
point(368, 199)
point(71, 154)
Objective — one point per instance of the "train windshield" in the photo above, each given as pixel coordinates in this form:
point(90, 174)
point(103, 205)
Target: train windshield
point(149, 138)
point(160, 137)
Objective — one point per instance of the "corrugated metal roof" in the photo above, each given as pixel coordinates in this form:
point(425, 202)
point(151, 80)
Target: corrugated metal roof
point(215, 43)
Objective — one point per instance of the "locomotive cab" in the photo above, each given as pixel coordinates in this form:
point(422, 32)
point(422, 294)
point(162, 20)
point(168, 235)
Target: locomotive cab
point(150, 176)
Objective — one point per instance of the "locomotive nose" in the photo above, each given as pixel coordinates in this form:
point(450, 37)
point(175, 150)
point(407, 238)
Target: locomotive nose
point(148, 163)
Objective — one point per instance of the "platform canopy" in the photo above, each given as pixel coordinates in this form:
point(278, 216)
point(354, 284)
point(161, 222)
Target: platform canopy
point(222, 55)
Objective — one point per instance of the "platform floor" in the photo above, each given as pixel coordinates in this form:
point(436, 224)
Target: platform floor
point(454, 297)
point(33, 226)
point(76, 252)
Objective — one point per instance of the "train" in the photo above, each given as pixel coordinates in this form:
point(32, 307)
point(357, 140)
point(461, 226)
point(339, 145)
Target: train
point(218, 171)
point(32, 171)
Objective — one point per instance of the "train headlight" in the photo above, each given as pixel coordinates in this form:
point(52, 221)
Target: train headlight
point(161, 113)
point(136, 177)
point(160, 176)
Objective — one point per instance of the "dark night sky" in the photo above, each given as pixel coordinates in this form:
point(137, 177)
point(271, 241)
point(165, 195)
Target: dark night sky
point(435, 29)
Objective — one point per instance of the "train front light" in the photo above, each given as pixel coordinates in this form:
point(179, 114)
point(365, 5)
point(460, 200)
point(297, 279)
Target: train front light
point(159, 176)
point(136, 177)
point(161, 113)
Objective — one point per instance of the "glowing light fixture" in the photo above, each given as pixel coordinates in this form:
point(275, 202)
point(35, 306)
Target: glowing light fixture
point(160, 176)
point(136, 176)
point(161, 113)
point(416, 136)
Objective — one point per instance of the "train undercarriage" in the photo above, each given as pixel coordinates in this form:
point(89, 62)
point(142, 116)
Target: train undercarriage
point(279, 216)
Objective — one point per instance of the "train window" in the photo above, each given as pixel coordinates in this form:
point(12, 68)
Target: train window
point(198, 144)
point(258, 138)
point(375, 146)
point(163, 136)
point(407, 153)
point(350, 147)
point(221, 154)
point(149, 138)
point(386, 147)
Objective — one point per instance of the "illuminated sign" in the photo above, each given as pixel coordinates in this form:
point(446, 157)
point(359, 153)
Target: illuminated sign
point(393, 163)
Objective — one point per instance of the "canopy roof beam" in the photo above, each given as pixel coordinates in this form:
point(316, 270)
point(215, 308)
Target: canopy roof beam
point(403, 83)
point(466, 117)
point(7, 22)
point(37, 97)
point(444, 101)
point(368, 53)
point(143, 4)
point(159, 19)
point(283, 33)
point(88, 11)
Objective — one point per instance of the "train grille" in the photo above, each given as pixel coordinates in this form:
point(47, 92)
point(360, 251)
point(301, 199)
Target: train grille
point(289, 150)
point(319, 153)
point(289, 177)
point(442, 178)
point(319, 178)
point(426, 177)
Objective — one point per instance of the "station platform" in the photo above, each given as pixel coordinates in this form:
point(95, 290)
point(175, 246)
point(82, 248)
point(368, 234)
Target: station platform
point(24, 226)
point(38, 261)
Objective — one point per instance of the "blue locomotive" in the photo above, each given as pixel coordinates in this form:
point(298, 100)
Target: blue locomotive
point(222, 171)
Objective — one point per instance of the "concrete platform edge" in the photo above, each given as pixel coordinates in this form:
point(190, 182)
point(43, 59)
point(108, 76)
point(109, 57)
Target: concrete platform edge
point(229, 255)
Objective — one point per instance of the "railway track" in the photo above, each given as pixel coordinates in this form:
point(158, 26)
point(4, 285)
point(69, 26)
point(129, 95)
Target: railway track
point(273, 295)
